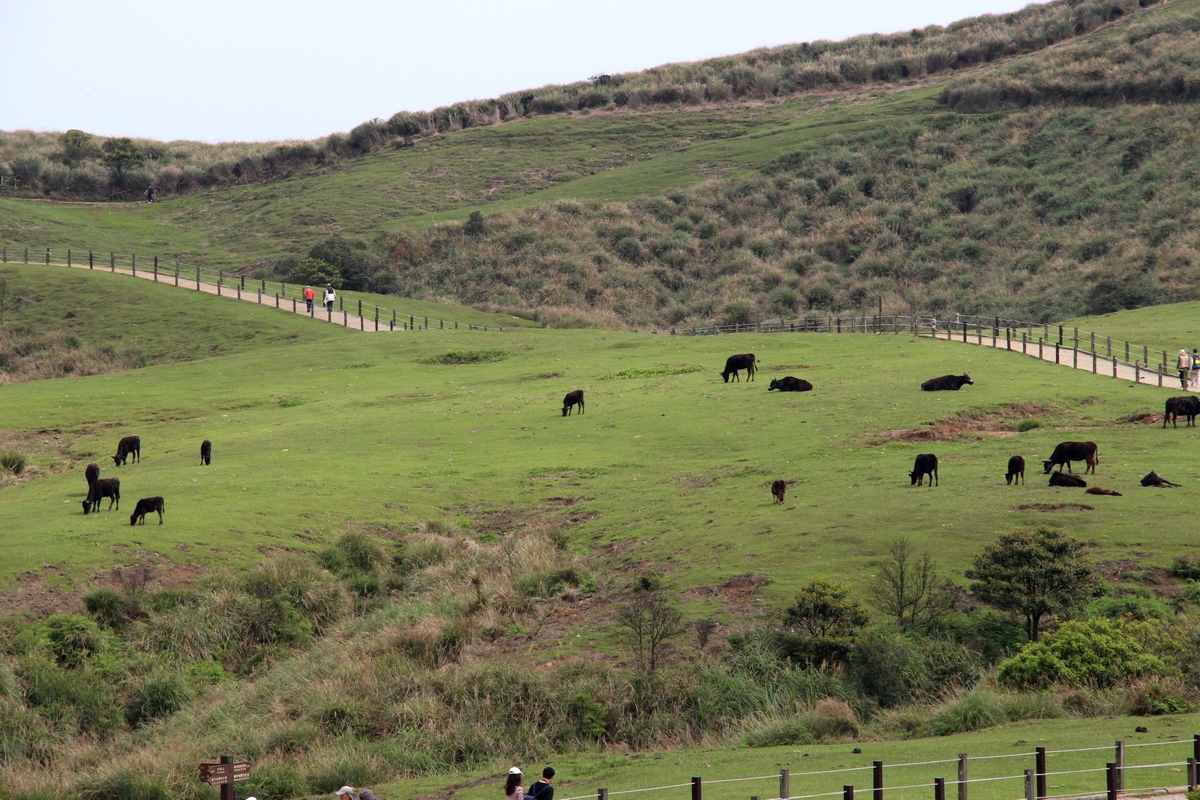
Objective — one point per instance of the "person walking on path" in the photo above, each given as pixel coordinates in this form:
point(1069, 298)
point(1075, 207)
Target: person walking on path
point(1195, 367)
point(1184, 366)
point(329, 297)
point(309, 295)
point(150, 193)
point(512, 787)
point(542, 790)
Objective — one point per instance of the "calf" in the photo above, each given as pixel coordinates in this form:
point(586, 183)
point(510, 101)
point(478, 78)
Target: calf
point(1098, 490)
point(1016, 470)
point(1066, 452)
point(734, 364)
point(1154, 479)
point(91, 473)
point(205, 453)
point(129, 446)
point(1188, 406)
point(778, 489)
point(1064, 479)
point(790, 384)
point(99, 489)
point(573, 399)
point(947, 383)
point(145, 506)
point(926, 464)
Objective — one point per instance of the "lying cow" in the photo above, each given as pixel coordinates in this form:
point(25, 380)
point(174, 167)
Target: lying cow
point(99, 489)
point(1016, 470)
point(1154, 479)
point(1064, 479)
point(146, 506)
point(1177, 407)
point(947, 383)
point(1098, 490)
point(778, 489)
point(734, 364)
point(1066, 452)
point(790, 384)
point(205, 453)
point(129, 446)
point(573, 399)
point(926, 464)
point(91, 473)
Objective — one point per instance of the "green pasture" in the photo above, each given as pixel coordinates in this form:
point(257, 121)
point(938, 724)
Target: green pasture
point(335, 430)
point(580, 774)
point(1169, 327)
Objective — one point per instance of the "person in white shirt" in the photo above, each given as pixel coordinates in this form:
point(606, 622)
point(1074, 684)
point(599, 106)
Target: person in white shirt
point(329, 297)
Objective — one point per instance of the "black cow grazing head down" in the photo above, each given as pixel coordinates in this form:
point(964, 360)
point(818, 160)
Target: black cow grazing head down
point(1016, 470)
point(101, 488)
point(91, 473)
point(147, 505)
point(947, 383)
point(1176, 407)
point(1066, 452)
point(790, 384)
point(926, 464)
point(129, 446)
point(778, 489)
point(734, 364)
point(1065, 479)
point(205, 453)
point(573, 399)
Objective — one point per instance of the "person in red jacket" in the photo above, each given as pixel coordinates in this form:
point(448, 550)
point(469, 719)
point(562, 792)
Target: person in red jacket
point(309, 294)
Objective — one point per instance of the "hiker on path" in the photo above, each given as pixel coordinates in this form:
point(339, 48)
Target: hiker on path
point(1184, 366)
point(309, 295)
point(150, 193)
point(542, 790)
point(1195, 367)
point(329, 297)
point(513, 790)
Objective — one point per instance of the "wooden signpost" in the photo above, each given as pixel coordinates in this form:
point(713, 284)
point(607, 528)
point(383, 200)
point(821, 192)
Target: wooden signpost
point(225, 774)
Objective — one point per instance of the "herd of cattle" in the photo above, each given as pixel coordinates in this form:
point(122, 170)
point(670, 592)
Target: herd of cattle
point(99, 488)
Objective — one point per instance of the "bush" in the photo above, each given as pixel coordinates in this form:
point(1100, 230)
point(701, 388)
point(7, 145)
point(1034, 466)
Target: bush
point(111, 608)
point(155, 697)
point(778, 733)
point(1098, 652)
point(73, 639)
point(736, 314)
point(972, 711)
point(275, 782)
point(1028, 425)
point(13, 462)
point(310, 271)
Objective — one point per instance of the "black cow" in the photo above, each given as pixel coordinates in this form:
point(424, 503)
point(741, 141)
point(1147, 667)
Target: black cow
point(1016, 470)
point(947, 383)
point(778, 489)
point(129, 446)
point(99, 489)
point(573, 399)
point(205, 453)
point(91, 473)
point(1154, 479)
point(926, 464)
point(1188, 406)
point(1062, 479)
point(147, 505)
point(1066, 452)
point(790, 384)
point(734, 364)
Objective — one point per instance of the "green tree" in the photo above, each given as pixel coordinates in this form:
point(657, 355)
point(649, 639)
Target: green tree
point(475, 224)
point(824, 609)
point(78, 147)
point(1098, 652)
point(347, 258)
point(1035, 572)
point(314, 272)
point(121, 155)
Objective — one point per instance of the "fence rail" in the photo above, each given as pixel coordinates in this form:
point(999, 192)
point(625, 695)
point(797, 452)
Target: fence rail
point(1034, 782)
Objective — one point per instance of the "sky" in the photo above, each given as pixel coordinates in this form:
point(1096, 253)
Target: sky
point(222, 70)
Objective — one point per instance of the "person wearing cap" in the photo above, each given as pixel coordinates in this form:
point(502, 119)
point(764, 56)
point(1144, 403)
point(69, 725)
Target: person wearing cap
point(542, 790)
point(512, 787)
point(309, 296)
point(345, 791)
point(1184, 366)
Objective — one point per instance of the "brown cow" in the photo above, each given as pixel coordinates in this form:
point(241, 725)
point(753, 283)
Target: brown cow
point(778, 489)
point(573, 399)
point(99, 489)
point(1062, 479)
point(1066, 452)
point(146, 506)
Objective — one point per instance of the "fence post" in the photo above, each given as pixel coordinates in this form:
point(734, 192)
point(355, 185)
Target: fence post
point(1145, 355)
point(427, 324)
point(176, 272)
point(376, 317)
point(1040, 765)
point(1127, 352)
point(1024, 344)
point(283, 289)
point(939, 789)
point(393, 319)
point(91, 262)
point(112, 262)
point(1109, 345)
point(602, 794)
point(785, 779)
point(839, 324)
point(877, 780)
point(47, 256)
point(277, 299)
point(156, 269)
point(696, 787)
point(1196, 747)
point(962, 776)
point(133, 262)
point(1093, 344)
point(1137, 372)
point(360, 308)
point(1057, 352)
point(242, 284)
point(1114, 366)
point(1191, 774)
point(1075, 357)
point(1120, 762)
point(345, 319)
point(68, 256)
point(1008, 338)
point(341, 306)
point(848, 792)
point(1093, 362)
point(1060, 334)
point(26, 255)
point(410, 322)
point(5, 255)
point(1110, 775)
point(1029, 789)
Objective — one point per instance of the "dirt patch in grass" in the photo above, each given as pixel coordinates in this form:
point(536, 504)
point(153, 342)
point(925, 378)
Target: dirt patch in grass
point(1054, 507)
point(738, 595)
point(1000, 421)
point(782, 367)
point(32, 597)
point(1120, 569)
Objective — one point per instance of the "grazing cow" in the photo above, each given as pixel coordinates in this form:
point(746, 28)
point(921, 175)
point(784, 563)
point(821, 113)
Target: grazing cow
point(790, 384)
point(99, 489)
point(205, 453)
point(926, 464)
point(1098, 490)
point(947, 383)
point(1154, 479)
point(146, 506)
point(778, 488)
point(1063, 479)
point(1066, 452)
point(573, 399)
point(1016, 470)
point(734, 364)
point(129, 446)
point(1177, 407)
point(92, 472)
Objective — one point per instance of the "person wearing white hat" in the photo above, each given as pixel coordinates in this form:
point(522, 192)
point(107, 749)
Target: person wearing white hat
point(345, 791)
point(513, 790)
point(1184, 366)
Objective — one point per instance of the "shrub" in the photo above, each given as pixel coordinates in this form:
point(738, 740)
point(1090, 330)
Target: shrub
point(154, 697)
point(972, 711)
point(310, 271)
point(275, 782)
point(778, 733)
point(738, 313)
point(1028, 425)
point(72, 638)
point(13, 462)
point(832, 718)
point(110, 608)
point(1097, 652)
point(467, 357)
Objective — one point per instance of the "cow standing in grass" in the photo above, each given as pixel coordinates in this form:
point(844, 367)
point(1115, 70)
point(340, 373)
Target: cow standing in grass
point(1066, 452)
point(92, 473)
point(573, 399)
point(99, 489)
point(1188, 406)
point(1016, 470)
point(925, 464)
point(129, 446)
point(147, 505)
point(734, 364)
point(778, 490)
point(205, 453)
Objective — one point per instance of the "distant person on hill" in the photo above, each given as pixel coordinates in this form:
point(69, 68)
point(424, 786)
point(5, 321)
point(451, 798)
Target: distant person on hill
point(1184, 366)
point(329, 297)
point(1195, 367)
point(512, 787)
point(542, 790)
point(309, 295)
point(150, 193)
